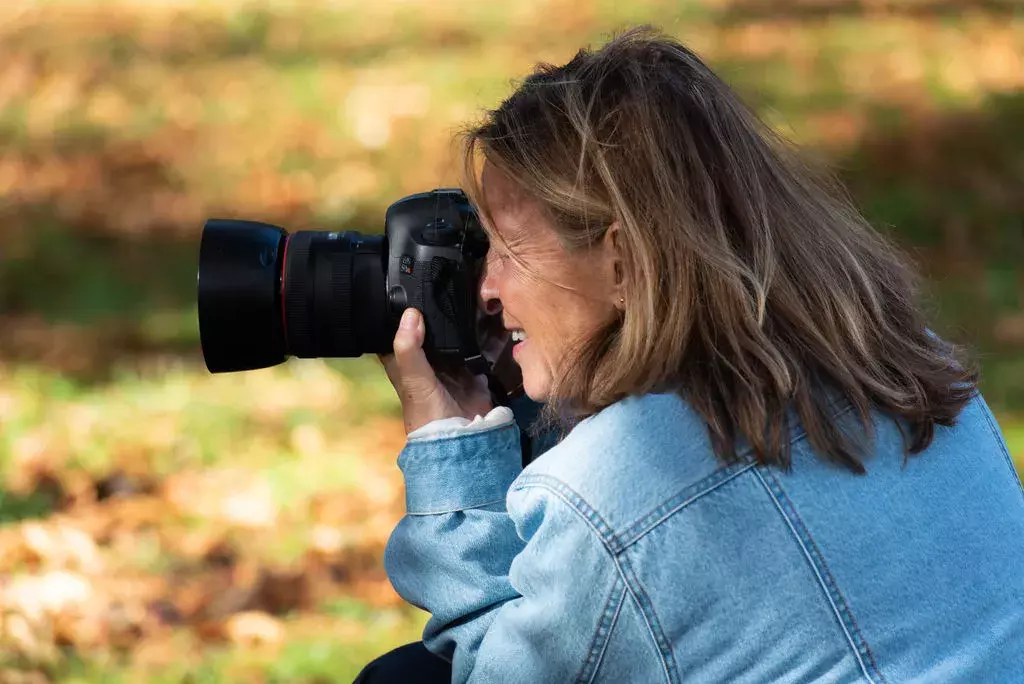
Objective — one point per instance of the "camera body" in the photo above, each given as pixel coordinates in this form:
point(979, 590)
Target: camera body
point(436, 250)
point(265, 294)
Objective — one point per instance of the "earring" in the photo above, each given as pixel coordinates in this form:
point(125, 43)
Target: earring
point(622, 300)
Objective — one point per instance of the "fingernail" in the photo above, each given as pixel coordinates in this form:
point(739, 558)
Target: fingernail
point(408, 321)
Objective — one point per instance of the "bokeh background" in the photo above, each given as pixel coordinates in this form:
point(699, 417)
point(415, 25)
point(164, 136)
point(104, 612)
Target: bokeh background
point(159, 524)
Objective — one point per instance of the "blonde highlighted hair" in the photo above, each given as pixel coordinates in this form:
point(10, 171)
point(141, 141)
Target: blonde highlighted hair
point(753, 286)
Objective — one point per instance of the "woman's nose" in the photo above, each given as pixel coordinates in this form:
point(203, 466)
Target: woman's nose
point(488, 299)
point(490, 307)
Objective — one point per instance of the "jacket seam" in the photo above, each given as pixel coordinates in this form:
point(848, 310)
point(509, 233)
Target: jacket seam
point(599, 642)
point(680, 500)
point(594, 520)
point(643, 604)
point(575, 501)
point(676, 503)
point(821, 571)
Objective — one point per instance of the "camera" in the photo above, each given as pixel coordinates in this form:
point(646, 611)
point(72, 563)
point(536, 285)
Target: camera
point(265, 294)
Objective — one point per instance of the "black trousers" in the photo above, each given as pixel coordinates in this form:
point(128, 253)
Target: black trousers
point(407, 664)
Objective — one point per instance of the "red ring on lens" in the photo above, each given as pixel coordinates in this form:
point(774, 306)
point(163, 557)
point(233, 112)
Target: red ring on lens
point(284, 271)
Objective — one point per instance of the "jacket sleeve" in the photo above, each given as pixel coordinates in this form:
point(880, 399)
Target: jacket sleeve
point(526, 594)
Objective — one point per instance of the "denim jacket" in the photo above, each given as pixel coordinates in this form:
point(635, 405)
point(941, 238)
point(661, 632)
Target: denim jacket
point(628, 553)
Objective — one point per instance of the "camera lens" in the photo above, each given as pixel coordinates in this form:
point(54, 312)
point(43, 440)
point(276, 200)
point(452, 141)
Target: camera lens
point(265, 295)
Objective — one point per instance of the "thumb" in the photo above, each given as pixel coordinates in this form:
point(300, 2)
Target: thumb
point(417, 376)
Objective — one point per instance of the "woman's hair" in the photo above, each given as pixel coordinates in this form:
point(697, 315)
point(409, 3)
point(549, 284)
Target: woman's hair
point(753, 286)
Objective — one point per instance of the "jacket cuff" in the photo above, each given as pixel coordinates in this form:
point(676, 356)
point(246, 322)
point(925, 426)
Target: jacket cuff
point(451, 427)
point(468, 470)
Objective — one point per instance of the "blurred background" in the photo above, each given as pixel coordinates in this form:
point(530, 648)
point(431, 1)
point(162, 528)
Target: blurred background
point(159, 524)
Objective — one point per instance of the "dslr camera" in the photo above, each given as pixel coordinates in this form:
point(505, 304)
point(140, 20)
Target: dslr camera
point(265, 294)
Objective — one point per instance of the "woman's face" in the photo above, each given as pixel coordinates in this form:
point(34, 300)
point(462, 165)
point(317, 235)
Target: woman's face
point(573, 297)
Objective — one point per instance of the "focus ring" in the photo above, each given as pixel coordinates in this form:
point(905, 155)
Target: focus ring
point(339, 317)
point(298, 297)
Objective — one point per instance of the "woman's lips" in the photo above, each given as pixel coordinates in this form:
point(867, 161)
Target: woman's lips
point(518, 347)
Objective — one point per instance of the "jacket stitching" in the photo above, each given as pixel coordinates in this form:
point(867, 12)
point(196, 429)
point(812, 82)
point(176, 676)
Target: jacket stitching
point(615, 621)
point(676, 503)
point(825, 579)
point(695, 491)
point(643, 604)
point(575, 501)
point(594, 520)
point(614, 545)
point(602, 636)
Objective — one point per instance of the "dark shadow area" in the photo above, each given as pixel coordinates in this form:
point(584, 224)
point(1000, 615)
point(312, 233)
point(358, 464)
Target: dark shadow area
point(950, 189)
point(45, 495)
point(953, 181)
point(817, 10)
point(100, 269)
point(85, 302)
point(14, 508)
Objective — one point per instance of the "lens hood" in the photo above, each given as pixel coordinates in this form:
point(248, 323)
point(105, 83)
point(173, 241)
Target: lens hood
point(239, 294)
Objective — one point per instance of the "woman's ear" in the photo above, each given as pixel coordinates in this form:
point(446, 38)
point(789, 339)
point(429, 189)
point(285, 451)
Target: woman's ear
point(612, 254)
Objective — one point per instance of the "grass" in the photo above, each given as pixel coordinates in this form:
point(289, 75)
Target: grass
point(125, 124)
point(289, 469)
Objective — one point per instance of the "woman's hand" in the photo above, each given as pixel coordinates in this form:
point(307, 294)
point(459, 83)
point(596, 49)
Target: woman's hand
point(426, 394)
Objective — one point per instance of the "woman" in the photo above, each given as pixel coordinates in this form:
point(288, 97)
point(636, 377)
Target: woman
point(773, 471)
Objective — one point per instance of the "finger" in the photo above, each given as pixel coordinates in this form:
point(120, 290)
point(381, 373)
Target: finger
point(391, 369)
point(388, 362)
point(409, 364)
